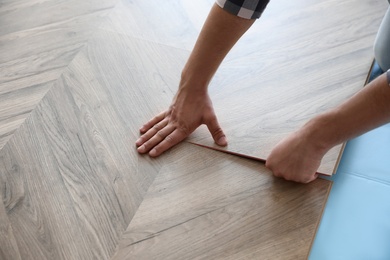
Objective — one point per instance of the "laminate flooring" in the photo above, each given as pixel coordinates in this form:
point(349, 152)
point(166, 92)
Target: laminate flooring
point(298, 60)
point(72, 98)
point(218, 206)
point(72, 181)
point(38, 40)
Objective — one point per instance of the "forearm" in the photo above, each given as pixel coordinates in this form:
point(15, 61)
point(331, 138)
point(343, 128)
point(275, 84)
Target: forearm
point(368, 109)
point(218, 35)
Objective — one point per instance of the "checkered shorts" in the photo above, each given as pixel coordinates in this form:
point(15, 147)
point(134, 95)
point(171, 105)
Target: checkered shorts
point(249, 9)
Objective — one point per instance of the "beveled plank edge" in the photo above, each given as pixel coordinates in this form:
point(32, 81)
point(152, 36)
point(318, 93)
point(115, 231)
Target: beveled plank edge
point(338, 160)
point(320, 217)
point(345, 143)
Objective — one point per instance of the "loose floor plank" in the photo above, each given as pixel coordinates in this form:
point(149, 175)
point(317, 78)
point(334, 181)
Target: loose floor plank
point(298, 61)
point(209, 205)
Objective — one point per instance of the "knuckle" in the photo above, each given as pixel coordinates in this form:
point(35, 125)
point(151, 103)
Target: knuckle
point(160, 134)
point(157, 127)
point(169, 139)
point(218, 133)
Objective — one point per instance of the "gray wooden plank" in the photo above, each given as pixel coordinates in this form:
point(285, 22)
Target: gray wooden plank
point(16, 104)
point(72, 174)
point(20, 15)
point(38, 40)
point(175, 23)
point(8, 246)
point(299, 60)
point(209, 205)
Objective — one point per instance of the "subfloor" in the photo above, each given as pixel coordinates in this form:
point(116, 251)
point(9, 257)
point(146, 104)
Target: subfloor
point(78, 79)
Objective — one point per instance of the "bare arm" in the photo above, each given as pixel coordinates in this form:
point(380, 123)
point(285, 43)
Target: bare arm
point(298, 156)
point(191, 105)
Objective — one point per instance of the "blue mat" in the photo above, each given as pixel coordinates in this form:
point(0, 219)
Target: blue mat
point(356, 220)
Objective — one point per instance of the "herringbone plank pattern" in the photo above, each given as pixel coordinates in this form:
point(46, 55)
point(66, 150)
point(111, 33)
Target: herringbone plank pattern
point(77, 79)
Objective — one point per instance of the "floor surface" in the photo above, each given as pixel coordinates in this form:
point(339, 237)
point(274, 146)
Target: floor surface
point(76, 82)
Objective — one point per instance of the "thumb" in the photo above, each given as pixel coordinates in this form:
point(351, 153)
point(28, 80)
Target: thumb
point(216, 131)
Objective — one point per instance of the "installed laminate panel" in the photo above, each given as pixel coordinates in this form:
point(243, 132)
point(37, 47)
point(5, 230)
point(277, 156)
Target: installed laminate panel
point(38, 40)
point(19, 15)
point(70, 176)
point(300, 59)
point(209, 205)
point(9, 248)
point(175, 23)
point(16, 104)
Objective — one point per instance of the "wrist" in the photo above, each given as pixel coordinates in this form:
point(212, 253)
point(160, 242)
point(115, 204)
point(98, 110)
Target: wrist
point(194, 82)
point(318, 134)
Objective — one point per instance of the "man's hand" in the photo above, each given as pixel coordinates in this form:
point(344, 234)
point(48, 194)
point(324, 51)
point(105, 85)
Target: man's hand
point(192, 106)
point(188, 111)
point(296, 158)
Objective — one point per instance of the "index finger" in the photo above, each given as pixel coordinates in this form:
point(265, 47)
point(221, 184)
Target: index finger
point(152, 122)
point(170, 140)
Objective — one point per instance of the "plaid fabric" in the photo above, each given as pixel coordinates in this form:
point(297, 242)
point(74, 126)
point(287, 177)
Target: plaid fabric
point(249, 9)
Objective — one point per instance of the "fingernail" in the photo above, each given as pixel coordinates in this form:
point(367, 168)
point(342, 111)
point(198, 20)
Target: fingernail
point(222, 141)
point(141, 149)
point(153, 152)
point(138, 142)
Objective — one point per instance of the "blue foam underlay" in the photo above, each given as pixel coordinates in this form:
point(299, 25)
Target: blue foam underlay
point(356, 220)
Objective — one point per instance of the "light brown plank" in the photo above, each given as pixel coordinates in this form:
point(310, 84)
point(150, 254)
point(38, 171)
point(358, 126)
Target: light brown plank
point(72, 175)
point(300, 59)
point(209, 205)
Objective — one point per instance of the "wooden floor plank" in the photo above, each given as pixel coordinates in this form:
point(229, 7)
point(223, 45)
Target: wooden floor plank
point(71, 174)
point(38, 41)
point(46, 48)
point(8, 246)
point(20, 15)
point(70, 177)
point(176, 23)
point(16, 104)
point(209, 205)
point(296, 62)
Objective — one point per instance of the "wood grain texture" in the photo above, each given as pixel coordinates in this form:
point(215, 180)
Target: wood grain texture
point(209, 205)
point(38, 40)
point(175, 23)
point(71, 177)
point(300, 59)
point(20, 15)
point(71, 182)
point(8, 246)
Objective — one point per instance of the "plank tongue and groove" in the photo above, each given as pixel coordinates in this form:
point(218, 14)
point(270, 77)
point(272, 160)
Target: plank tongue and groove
point(300, 59)
point(209, 205)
